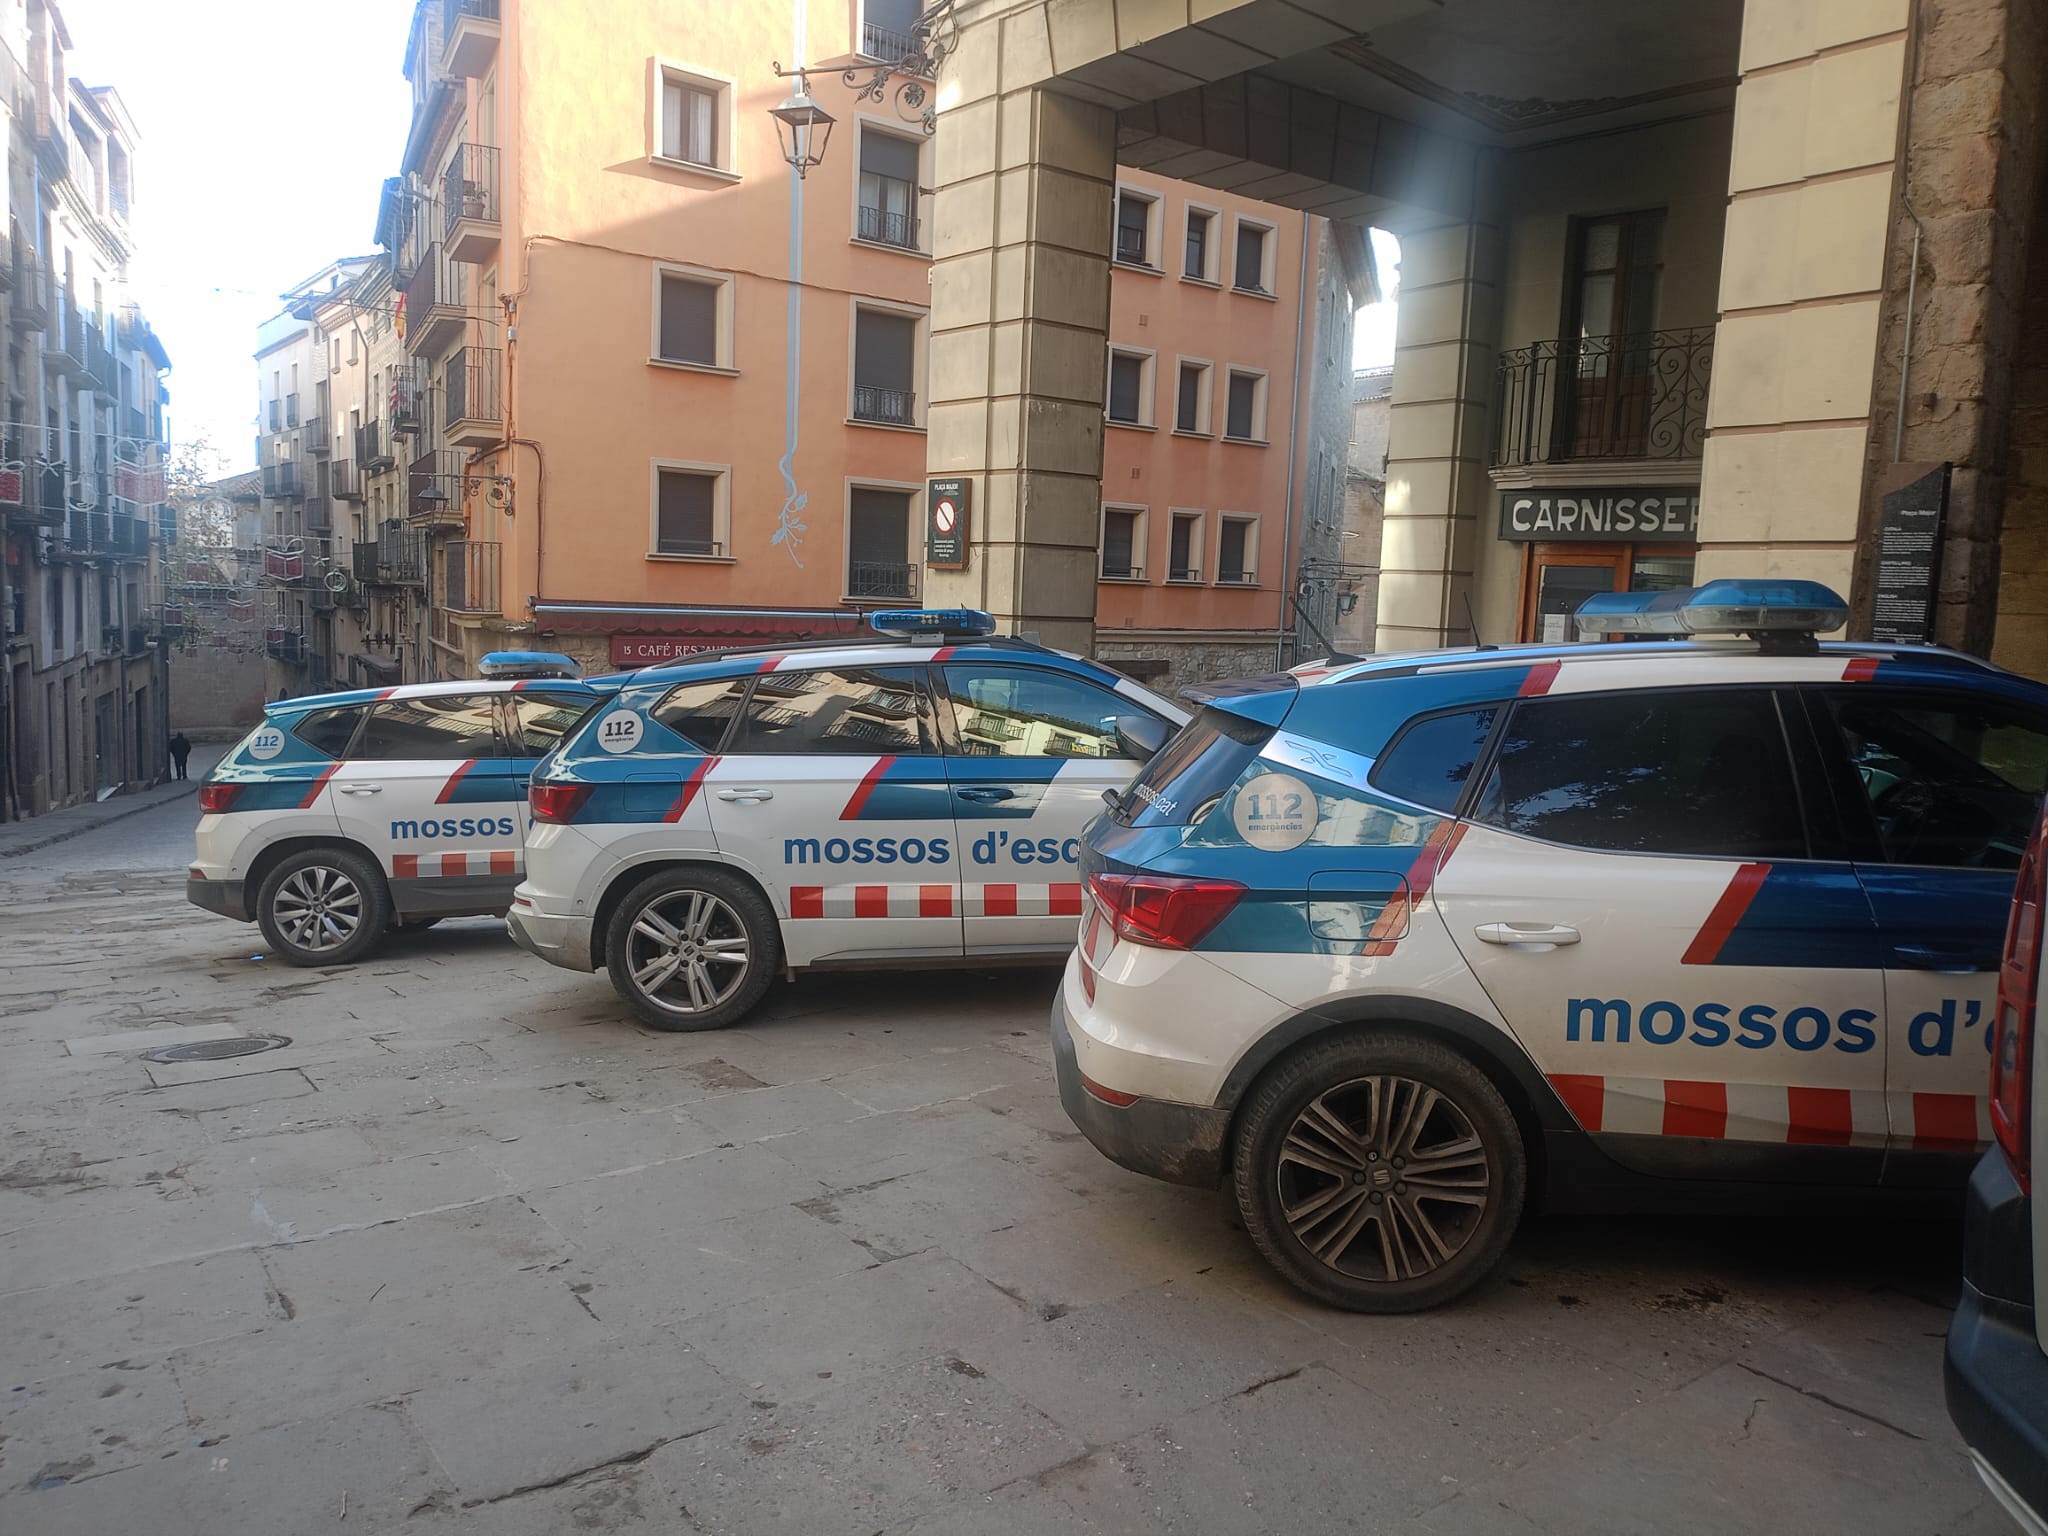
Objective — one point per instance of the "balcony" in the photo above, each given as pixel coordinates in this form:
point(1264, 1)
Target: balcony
point(881, 581)
point(408, 399)
point(372, 451)
point(282, 481)
point(469, 37)
point(31, 310)
point(473, 419)
point(363, 563)
point(1640, 396)
point(472, 577)
point(99, 364)
point(64, 341)
point(433, 489)
point(291, 410)
point(313, 437)
point(401, 556)
point(277, 415)
point(343, 482)
point(885, 228)
point(469, 203)
point(893, 407)
point(433, 303)
point(77, 534)
point(286, 645)
point(879, 42)
point(135, 424)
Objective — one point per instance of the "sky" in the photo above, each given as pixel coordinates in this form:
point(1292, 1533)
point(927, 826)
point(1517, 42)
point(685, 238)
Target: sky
point(267, 129)
point(1373, 345)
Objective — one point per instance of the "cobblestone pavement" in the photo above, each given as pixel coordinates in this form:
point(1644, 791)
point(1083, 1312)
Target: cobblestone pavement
point(475, 1254)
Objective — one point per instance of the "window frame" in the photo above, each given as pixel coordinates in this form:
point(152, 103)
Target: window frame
point(931, 733)
point(1251, 521)
point(1207, 276)
point(1482, 760)
point(1198, 545)
point(920, 347)
point(1155, 221)
point(952, 705)
point(910, 490)
point(721, 510)
point(1140, 542)
point(920, 247)
point(1268, 257)
point(723, 89)
point(1261, 379)
point(1148, 387)
point(723, 352)
point(1205, 397)
point(377, 706)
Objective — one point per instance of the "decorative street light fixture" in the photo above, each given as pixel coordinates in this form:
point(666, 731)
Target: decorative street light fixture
point(802, 126)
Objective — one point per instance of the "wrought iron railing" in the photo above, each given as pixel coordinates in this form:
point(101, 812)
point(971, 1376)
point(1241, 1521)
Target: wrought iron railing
point(313, 434)
point(1130, 245)
point(401, 555)
point(894, 406)
point(472, 577)
point(1637, 396)
point(281, 479)
point(886, 228)
point(433, 485)
point(453, 11)
point(372, 452)
point(881, 579)
point(343, 481)
point(473, 384)
point(291, 410)
point(277, 415)
point(469, 188)
point(885, 42)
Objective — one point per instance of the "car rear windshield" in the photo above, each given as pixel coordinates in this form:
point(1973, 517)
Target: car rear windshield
point(1191, 770)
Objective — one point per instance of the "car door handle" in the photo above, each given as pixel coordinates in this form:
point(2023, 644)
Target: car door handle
point(986, 794)
point(362, 789)
point(1942, 959)
point(1549, 935)
point(746, 796)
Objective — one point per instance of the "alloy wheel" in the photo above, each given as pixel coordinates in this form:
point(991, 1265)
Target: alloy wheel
point(318, 908)
point(688, 951)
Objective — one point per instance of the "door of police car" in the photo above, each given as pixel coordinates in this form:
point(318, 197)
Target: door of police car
point(1675, 942)
point(429, 787)
point(1033, 750)
point(832, 791)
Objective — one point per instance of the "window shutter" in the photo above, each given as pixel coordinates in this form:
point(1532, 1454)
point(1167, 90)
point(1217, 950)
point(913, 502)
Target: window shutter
point(1243, 395)
point(687, 514)
point(884, 350)
point(883, 154)
point(689, 320)
point(1189, 416)
point(1251, 257)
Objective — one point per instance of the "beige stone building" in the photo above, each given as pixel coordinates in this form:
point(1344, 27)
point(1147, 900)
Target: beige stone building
point(1685, 291)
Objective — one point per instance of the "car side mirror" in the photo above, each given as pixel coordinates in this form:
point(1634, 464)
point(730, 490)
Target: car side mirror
point(1140, 737)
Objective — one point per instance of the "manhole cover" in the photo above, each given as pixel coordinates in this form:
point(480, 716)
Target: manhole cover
point(217, 1050)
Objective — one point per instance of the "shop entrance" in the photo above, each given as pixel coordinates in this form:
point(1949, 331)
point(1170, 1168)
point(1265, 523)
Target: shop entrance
point(1556, 578)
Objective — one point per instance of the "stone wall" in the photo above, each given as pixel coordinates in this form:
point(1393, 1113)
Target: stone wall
point(219, 693)
point(1167, 666)
point(2021, 641)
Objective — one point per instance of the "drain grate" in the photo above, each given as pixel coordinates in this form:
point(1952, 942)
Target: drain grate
point(217, 1050)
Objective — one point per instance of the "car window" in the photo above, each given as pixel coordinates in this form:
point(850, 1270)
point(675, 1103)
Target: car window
point(851, 710)
point(1701, 772)
point(1030, 712)
point(544, 718)
point(700, 713)
point(1950, 782)
point(1179, 786)
point(458, 725)
point(1430, 761)
point(330, 730)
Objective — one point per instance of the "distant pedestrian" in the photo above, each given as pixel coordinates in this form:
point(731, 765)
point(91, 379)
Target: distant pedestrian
point(181, 748)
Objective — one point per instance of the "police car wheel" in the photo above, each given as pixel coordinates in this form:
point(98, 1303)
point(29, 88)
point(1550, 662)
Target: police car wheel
point(325, 906)
point(692, 949)
point(1379, 1173)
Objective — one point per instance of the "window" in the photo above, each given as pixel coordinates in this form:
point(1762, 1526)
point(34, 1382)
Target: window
point(690, 113)
point(1245, 411)
point(852, 710)
point(1024, 712)
point(1237, 551)
point(693, 318)
point(1195, 259)
point(1430, 761)
point(1184, 547)
point(329, 730)
point(545, 718)
point(1193, 772)
point(1191, 399)
point(1134, 227)
point(887, 212)
point(878, 545)
point(448, 727)
point(689, 512)
point(885, 367)
point(1130, 388)
point(1123, 543)
point(1950, 783)
point(1254, 245)
point(701, 712)
point(1699, 772)
point(886, 27)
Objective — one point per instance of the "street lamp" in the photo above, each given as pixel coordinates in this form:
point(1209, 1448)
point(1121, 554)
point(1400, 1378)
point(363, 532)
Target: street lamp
point(803, 128)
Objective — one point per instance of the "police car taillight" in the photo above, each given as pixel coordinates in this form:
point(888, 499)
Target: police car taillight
point(1164, 911)
point(2012, 1026)
point(216, 798)
point(557, 803)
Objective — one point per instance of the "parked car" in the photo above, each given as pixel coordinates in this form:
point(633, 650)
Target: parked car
point(346, 814)
point(1383, 942)
point(915, 800)
point(1997, 1370)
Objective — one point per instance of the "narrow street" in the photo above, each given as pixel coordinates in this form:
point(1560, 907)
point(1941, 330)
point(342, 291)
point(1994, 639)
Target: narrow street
point(473, 1253)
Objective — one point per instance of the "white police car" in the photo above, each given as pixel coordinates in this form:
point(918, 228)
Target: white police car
point(343, 814)
point(914, 800)
point(1646, 924)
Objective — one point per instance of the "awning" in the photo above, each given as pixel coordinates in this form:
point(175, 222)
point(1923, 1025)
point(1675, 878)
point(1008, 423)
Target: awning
point(569, 618)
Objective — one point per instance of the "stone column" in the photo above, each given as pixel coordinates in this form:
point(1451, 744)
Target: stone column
point(1437, 434)
point(1020, 333)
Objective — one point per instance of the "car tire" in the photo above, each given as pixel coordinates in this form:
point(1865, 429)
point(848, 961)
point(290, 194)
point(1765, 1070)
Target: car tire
point(694, 922)
point(1325, 1151)
point(323, 906)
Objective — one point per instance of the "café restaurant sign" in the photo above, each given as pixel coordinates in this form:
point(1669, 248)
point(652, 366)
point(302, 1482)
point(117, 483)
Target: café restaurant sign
point(652, 650)
point(1656, 515)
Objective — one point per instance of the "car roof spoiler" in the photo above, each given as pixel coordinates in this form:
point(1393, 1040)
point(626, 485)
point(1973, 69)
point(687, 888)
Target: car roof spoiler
point(1264, 700)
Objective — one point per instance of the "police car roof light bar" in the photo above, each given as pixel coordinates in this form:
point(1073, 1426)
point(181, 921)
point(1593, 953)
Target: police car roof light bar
point(932, 622)
point(498, 666)
point(1780, 614)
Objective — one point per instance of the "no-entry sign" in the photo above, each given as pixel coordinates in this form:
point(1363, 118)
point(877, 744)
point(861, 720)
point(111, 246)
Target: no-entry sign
point(945, 535)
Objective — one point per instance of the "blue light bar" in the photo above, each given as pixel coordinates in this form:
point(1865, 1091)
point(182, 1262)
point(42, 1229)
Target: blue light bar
point(501, 665)
point(1726, 607)
point(931, 621)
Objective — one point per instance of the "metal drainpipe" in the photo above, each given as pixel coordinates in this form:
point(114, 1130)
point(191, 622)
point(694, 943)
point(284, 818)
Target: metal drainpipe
point(1293, 450)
